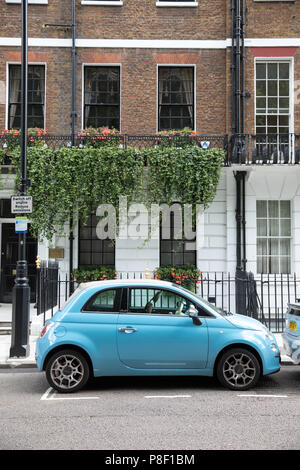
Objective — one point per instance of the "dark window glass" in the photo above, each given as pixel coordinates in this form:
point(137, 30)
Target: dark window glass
point(157, 301)
point(174, 248)
point(104, 301)
point(176, 97)
point(36, 96)
point(102, 97)
point(92, 250)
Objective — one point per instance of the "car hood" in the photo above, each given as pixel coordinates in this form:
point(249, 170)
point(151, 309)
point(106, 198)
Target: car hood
point(241, 321)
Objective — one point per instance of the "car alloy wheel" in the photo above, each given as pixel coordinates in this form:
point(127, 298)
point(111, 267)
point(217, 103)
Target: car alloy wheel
point(238, 369)
point(67, 371)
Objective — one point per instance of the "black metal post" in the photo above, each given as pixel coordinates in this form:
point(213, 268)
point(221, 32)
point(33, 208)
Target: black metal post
point(21, 289)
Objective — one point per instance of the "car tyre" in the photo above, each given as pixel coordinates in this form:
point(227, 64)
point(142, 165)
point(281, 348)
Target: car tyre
point(238, 369)
point(67, 371)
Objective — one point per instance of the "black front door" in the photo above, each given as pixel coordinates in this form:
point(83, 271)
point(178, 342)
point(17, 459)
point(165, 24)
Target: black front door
point(9, 257)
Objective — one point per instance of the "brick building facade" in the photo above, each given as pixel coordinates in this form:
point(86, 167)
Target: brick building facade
point(138, 43)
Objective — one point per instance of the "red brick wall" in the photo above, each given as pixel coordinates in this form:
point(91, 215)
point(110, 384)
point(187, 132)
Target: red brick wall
point(141, 19)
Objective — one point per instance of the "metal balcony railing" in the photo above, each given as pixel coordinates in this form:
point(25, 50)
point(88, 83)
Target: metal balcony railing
point(244, 149)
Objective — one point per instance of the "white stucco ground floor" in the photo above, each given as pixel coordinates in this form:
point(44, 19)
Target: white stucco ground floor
point(269, 240)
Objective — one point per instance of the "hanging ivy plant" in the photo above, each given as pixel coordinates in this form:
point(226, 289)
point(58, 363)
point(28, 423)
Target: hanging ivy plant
point(189, 175)
point(75, 181)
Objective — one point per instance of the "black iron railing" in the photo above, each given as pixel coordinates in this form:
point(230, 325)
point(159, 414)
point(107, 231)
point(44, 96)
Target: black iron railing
point(264, 297)
point(248, 149)
point(264, 149)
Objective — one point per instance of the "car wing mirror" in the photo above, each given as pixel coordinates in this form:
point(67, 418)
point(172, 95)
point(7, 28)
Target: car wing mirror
point(194, 314)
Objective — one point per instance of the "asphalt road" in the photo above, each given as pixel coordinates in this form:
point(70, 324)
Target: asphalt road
point(149, 413)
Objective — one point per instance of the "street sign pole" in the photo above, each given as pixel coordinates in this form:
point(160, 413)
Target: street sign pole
point(21, 289)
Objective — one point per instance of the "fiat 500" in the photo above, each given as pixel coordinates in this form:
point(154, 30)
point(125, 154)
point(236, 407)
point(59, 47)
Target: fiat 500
point(131, 328)
point(291, 335)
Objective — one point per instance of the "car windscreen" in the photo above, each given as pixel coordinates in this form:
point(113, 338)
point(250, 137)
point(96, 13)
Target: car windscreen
point(203, 301)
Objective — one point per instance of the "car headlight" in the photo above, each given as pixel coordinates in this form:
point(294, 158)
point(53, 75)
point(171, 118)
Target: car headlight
point(269, 335)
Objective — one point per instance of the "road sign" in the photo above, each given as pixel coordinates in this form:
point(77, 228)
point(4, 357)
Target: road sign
point(21, 224)
point(21, 204)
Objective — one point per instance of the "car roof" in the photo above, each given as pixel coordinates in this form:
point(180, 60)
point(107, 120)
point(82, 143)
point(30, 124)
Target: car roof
point(128, 282)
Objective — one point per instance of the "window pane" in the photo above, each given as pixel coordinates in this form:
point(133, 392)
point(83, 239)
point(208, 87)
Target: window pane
point(273, 227)
point(285, 247)
point(285, 227)
point(92, 250)
point(274, 265)
point(36, 96)
point(284, 88)
point(272, 88)
point(260, 71)
point(261, 208)
point(285, 265)
point(102, 97)
point(262, 246)
point(103, 302)
point(273, 209)
point(176, 97)
point(272, 70)
point(273, 246)
point(285, 209)
point(274, 250)
point(260, 88)
point(262, 227)
point(284, 70)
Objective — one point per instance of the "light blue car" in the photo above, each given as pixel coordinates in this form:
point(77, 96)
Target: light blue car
point(291, 335)
point(149, 327)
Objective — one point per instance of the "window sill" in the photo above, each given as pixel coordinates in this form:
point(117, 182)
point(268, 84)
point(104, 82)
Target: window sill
point(177, 4)
point(32, 2)
point(118, 3)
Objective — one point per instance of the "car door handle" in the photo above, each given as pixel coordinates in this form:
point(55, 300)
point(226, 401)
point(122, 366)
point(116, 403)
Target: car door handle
point(127, 330)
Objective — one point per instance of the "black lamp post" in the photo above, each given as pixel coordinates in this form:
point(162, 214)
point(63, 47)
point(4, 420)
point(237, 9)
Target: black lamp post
point(21, 289)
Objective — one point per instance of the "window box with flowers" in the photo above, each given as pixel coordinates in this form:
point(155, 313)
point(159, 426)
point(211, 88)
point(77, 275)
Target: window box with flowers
point(188, 276)
point(94, 273)
point(178, 138)
point(97, 137)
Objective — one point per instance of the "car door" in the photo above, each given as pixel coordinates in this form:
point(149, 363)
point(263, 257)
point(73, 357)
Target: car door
point(98, 319)
point(154, 332)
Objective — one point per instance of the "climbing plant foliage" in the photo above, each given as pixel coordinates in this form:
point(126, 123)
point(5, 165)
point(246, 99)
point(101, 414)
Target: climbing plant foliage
point(75, 181)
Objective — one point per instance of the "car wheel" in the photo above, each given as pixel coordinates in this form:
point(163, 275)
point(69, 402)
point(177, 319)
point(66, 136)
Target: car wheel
point(67, 371)
point(238, 369)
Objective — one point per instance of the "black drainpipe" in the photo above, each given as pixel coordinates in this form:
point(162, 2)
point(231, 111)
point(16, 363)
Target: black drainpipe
point(73, 115)
point(233, 128)
point(238, 124)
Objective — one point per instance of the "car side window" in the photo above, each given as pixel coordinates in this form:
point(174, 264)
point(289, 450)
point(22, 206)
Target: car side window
point(157, 301)
point(103, 301)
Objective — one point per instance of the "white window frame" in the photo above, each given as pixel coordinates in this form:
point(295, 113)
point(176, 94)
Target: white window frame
point(87, 64)
point(7, 90)
point(290, 60)
point(157, 87)
point(32, 2)
point(279, 237)
point(162, 3)
point(117, 3)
